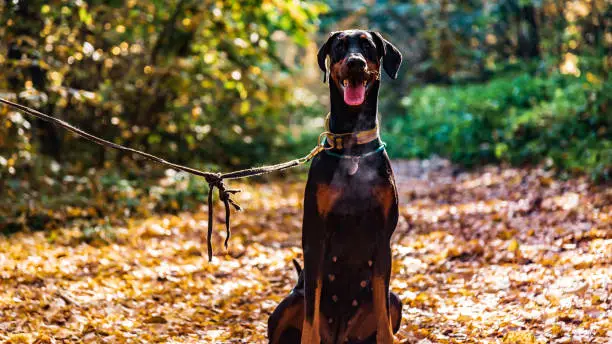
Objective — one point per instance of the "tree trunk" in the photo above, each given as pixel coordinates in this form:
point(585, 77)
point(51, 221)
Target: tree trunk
point(47, 134)
point(528, 33)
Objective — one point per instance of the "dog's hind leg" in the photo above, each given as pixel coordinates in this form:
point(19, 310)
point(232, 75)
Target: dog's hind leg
point(285, 323)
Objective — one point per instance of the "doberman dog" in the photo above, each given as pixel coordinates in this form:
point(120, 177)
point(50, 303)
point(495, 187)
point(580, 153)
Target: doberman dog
point(350, 210)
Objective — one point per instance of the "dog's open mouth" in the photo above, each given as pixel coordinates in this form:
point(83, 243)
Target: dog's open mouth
point(354, 91)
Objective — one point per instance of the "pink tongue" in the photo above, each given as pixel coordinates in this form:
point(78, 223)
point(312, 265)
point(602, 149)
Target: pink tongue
point(354, 95)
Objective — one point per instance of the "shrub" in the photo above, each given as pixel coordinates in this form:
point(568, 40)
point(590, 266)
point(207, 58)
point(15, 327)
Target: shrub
point(520, 119)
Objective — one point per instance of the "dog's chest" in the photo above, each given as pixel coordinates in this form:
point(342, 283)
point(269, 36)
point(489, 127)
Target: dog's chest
point(341, 190)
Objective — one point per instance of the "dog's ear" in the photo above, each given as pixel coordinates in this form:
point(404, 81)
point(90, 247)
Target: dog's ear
point(324, 51)
point(297, 266)
point(391, 57)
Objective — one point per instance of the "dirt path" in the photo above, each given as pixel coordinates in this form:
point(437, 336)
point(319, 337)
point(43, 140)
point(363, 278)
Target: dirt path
point(498, 255)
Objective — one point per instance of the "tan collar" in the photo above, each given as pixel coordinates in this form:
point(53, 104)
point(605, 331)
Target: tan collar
point(347, 140)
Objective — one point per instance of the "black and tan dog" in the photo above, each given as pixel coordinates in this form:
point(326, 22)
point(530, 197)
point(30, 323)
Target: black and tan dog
point(350, 210)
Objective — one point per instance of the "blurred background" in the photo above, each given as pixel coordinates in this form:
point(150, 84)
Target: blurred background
point(229, 84)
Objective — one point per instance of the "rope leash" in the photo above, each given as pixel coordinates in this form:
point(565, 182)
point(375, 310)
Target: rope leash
point(214, 180)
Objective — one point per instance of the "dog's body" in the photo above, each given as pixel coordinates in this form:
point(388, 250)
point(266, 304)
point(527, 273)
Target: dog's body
point(350, 210)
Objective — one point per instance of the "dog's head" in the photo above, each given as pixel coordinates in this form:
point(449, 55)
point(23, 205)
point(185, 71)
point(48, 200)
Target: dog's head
point(356, 56)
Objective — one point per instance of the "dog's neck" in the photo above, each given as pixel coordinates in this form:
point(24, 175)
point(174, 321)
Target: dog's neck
point(345, 118)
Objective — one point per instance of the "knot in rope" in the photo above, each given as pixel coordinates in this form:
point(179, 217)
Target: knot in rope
point(215, 180)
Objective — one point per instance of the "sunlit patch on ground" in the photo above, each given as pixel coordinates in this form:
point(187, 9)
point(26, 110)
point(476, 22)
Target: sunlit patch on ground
point(499, 255)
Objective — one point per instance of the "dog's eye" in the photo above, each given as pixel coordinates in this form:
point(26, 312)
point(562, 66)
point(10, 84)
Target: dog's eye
point(339, 48)
point(367, 45)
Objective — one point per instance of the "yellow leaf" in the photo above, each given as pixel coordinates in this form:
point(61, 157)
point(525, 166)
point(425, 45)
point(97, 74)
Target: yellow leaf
point(519, 337)
point(556, 330)
point(513, 246)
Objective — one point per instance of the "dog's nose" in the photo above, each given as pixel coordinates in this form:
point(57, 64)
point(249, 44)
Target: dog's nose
point(356, 62)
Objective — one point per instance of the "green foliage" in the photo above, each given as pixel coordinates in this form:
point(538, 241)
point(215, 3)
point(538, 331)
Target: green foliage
point(520, 119)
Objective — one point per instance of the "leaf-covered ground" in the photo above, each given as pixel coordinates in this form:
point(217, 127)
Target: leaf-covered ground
point(497, 255)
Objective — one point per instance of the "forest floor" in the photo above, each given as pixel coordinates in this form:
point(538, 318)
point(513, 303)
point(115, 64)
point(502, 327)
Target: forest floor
point(494, 255)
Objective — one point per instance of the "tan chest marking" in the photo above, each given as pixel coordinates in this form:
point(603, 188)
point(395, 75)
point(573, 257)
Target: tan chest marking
point(327, 196)
point(385, 196)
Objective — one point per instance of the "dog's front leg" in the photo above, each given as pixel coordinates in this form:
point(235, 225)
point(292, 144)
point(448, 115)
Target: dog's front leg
point(380, 294)
point(312, 297)
point(318, 202)
point(387, 198)
point(313, 242)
